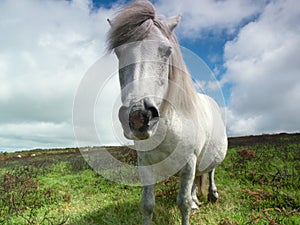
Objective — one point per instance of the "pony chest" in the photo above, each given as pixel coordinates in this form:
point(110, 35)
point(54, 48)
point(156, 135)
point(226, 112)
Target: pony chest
point(174, 139)
point(156, 155)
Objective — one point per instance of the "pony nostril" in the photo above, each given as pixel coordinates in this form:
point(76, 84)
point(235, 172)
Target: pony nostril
point(152, 113)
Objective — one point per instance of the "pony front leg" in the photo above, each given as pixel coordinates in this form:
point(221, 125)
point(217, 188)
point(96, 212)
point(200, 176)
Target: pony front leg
point(184, 199)
point(148, 203)
point(212, 189)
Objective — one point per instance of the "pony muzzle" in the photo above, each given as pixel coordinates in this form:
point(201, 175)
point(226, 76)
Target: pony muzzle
point(138, 122)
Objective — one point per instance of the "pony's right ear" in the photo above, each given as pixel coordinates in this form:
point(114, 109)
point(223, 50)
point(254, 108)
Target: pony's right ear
point(108, 20)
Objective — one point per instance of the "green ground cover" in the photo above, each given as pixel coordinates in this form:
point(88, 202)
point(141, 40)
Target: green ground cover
point(258, 183)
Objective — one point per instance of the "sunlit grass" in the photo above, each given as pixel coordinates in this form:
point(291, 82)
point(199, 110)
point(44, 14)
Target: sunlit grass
point(263, 189)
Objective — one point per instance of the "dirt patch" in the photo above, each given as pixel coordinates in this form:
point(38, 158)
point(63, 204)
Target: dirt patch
point(247, 154)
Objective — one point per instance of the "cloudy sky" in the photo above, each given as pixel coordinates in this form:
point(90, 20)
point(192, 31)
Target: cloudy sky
point(47, 47)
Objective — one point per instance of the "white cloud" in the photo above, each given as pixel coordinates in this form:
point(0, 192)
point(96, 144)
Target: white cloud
point(45, 49)
point(263, 65)
point(35, 134)
point(207, 15)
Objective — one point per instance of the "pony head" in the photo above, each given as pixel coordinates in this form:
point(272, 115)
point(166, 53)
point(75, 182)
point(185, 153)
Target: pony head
point(143, 43)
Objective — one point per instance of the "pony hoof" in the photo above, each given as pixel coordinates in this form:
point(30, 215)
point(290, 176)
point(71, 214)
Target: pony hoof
point(196, 201)
point(213, 196)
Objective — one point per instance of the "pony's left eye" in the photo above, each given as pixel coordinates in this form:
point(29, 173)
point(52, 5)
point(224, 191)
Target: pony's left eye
point(165, 51)
point(169, 51)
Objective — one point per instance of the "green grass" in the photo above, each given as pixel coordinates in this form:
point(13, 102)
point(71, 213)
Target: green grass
point(60, 188)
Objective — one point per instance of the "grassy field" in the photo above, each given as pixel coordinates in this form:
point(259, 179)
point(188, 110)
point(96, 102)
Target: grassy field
point(258, 183)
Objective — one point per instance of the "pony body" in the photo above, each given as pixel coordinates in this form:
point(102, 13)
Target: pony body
point(175, 129)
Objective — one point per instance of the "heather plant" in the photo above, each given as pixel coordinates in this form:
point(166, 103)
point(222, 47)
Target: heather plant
point(258, 184)
point(21, 196)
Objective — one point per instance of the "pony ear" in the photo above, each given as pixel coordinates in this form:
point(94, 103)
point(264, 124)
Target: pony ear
point(172, 22)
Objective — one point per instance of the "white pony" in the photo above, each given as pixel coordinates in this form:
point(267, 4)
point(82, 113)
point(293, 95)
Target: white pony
point(175, 130)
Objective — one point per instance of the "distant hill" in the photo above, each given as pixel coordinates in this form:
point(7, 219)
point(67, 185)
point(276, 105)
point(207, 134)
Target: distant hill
point(232, 142)
point(264, 138)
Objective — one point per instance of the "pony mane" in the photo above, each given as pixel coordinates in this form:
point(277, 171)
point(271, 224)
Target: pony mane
point(187, 96)
point(133, 23)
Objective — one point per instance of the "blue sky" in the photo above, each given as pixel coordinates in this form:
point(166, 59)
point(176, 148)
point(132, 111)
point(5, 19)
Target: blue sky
point(47, 47)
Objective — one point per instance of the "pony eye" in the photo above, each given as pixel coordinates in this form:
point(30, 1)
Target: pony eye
point(169, 51)
point(165, 51)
